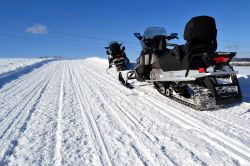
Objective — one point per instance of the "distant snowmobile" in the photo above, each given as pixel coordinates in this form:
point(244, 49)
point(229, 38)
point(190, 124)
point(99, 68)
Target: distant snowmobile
point(117, 56)
point(193, 74)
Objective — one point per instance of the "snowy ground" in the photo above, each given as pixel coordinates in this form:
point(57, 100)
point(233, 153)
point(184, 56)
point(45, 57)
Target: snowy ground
point(76, 113)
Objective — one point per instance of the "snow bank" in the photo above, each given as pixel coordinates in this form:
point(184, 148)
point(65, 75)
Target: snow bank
point(11, 69)
point(10, 64)
point(98, 59)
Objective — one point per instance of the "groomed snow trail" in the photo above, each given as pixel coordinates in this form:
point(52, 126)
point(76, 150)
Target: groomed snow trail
point(77, 113)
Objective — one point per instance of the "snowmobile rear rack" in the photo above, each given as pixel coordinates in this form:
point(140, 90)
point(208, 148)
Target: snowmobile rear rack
point(218, 58)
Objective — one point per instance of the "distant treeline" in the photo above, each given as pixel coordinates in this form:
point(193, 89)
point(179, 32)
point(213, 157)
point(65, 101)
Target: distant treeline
point(54, 57)
point(240, 62)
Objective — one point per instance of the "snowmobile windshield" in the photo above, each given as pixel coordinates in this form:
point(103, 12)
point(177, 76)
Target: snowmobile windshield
point(150, 32)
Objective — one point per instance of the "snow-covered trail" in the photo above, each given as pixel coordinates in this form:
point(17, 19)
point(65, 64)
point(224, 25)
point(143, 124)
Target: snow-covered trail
point(76, 113)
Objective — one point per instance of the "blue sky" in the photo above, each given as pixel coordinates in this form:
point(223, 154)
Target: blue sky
point(81, 28)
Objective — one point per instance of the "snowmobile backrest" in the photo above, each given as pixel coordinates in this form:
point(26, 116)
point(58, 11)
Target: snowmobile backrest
point(200, 28)
point(114, 47)
point(200, 33)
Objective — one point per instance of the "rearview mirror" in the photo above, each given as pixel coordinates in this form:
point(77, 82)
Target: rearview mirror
point(174, 35)
point(123, 48)
point(138, 36)
point(106, 47)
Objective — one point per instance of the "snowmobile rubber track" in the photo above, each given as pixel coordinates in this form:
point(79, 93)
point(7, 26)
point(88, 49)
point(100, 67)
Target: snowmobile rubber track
point(186, 103)
point(196, 107)
point(181, 101)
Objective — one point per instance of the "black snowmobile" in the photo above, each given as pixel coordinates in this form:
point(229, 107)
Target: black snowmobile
point(116, 55)
point(193, 74)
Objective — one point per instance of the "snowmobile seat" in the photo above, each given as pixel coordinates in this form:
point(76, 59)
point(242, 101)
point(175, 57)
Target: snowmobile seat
point(160, 44)
point(178, 51)
point(200, 35)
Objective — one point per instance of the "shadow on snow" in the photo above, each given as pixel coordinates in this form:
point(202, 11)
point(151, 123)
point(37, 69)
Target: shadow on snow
point(245, 90)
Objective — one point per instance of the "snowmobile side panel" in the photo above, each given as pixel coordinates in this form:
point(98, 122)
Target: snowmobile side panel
point(160, 75)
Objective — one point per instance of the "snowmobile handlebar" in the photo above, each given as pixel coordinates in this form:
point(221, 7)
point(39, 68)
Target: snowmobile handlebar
point(172, 44)
point(173, 36)
point(170, 37)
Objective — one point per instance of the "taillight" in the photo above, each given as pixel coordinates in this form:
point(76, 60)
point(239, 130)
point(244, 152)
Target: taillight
point(201, 70)
point(118, 55)
point(221, 59)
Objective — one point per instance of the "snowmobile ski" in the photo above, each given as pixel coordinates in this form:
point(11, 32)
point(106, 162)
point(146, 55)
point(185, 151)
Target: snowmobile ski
point(124, 82)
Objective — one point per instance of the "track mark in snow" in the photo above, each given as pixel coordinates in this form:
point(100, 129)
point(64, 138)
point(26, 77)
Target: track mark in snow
point(14, 142)
point(58, 156)
point(125, 119)
point(139, 155)
point(93, 125)
point(236, 149)
point(231, 146)
point(19, 82)
point(15, 122)
point(229, 124)
point(21, 92)
point(85, 117)
point(15, 111)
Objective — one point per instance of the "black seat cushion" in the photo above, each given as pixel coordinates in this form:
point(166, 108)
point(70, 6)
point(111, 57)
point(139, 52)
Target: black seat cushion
point(180, 51)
